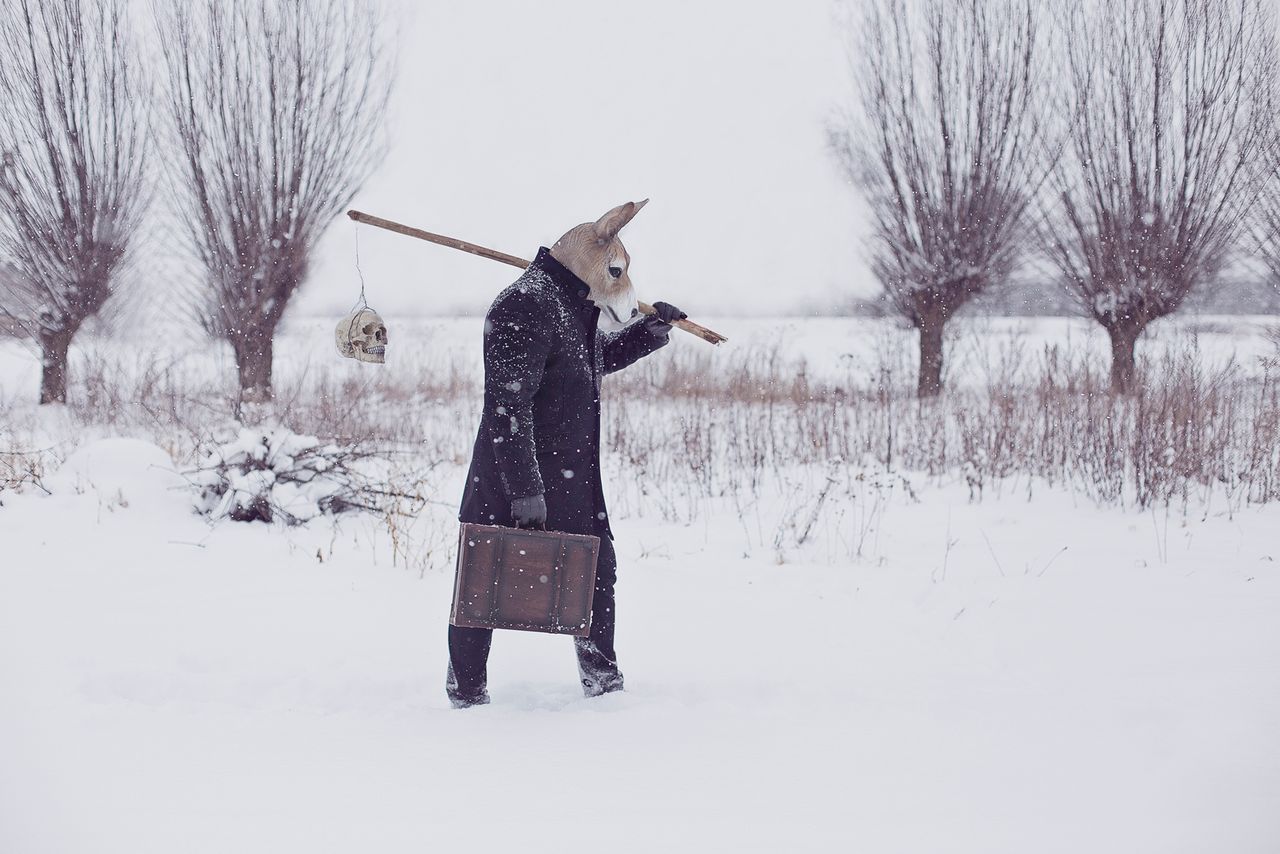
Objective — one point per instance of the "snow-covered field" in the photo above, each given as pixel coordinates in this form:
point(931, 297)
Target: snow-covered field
point(923, 673)
point(831, 348)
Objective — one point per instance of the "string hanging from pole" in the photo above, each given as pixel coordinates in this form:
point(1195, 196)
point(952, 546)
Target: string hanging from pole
point(362, 334)
point(361, 302)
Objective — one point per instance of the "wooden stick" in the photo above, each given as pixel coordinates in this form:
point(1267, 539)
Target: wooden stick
point(454, 243)
point(451, 242)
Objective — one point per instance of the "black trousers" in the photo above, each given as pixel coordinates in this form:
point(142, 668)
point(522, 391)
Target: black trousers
point(597, 660)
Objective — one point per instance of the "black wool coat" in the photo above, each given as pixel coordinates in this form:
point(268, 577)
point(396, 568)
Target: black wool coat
point(540, 428)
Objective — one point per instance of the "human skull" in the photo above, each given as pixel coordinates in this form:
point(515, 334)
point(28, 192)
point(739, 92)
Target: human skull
point(362, 335)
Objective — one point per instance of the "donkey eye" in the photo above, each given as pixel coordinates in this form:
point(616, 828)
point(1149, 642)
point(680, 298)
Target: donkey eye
point(615, 271)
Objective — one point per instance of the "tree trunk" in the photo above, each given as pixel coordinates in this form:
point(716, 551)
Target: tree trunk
point(930, 384)
point(54, 346)
point(1124, 340)
point(253, 352)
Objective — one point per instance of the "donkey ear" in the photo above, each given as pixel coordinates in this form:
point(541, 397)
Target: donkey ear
point(608, 226)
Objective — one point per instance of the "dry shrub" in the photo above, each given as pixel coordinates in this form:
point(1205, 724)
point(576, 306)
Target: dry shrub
point(798, 455)
point(183, 403)
point(276, 474)
point(1049, 417)
point(20, 470)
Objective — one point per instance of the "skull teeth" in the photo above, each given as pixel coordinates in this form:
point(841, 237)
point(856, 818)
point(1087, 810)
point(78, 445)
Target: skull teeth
point(376, 350)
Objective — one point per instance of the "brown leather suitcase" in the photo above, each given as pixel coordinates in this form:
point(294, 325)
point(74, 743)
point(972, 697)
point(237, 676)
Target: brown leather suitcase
point(535, 581)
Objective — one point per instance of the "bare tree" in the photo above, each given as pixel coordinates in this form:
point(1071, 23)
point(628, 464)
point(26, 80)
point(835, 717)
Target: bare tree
point(1165, 122)
point(72, 140)
point(277, 110)
point(1265, 221)
point(945, 149)
point(1266, 226)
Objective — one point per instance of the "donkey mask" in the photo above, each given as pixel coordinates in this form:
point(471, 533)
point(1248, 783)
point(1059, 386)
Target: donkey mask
point(593, 253)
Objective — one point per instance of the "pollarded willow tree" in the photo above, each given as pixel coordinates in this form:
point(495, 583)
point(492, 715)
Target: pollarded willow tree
point(1266, 225)
point(1265, 221)
point(945, 146)
point(277, 110)
point(1166, 124)
point(72, 152)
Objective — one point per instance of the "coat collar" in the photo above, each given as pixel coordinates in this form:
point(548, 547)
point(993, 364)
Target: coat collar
point(563, 277)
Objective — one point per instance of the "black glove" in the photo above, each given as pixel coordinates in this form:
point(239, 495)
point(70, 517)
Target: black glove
point(530, 512)
point(664, 314)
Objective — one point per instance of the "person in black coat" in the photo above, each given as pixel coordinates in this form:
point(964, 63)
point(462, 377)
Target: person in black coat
point(536, 460)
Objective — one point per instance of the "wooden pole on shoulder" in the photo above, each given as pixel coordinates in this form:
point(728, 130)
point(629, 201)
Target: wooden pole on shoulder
point(494, 255)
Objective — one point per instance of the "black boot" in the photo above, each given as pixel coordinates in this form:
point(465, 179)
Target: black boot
point(460, 702)
point(597, 659)
point(594, 687)
point(599, 673)
point(468, 657)
point(462, 699)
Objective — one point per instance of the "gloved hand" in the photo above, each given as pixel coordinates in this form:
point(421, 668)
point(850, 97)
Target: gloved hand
point(665, 314)
point(530, 512)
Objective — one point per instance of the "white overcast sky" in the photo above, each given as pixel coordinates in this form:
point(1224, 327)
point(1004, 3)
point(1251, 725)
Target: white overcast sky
point(513, 121)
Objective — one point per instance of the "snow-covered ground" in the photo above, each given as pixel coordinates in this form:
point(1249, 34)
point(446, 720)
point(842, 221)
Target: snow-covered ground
point(917, 673)
point(995, 677)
